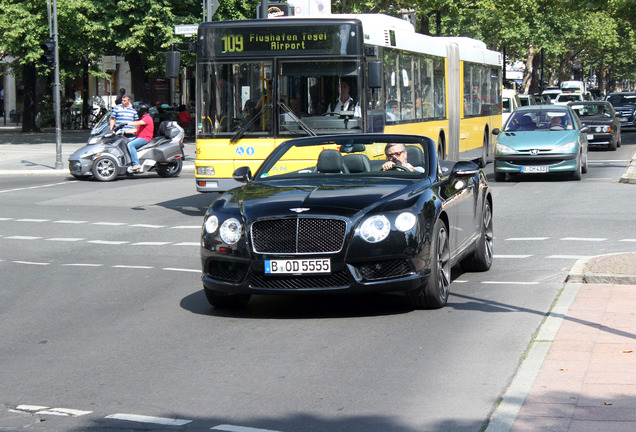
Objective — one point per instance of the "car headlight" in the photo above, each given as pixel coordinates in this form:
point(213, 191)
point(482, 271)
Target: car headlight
point(504, 149)
point(375, 229)
point(405, 221)
point(211, 224)
point(230, 231)
point(565, 148)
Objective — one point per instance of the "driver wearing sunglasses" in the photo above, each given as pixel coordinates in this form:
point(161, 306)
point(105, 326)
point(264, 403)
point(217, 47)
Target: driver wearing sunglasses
point(396, 155)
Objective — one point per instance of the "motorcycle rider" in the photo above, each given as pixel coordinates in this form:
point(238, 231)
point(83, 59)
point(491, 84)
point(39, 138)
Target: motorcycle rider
point(144, 132)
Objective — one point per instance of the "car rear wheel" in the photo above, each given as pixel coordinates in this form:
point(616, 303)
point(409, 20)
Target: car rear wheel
point(481, 259)
point(105, 168)
point(226, 301)
point(434, 294)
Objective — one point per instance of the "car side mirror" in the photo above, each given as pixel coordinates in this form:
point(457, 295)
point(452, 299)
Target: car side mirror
point(496, 131)
point(585, 129)
point(242, 174)
point(464, 169)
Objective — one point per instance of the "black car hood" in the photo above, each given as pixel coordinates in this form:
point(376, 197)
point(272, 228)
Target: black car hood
point(282, 198)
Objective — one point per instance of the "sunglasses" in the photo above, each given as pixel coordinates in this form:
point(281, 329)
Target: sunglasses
point(396, 154)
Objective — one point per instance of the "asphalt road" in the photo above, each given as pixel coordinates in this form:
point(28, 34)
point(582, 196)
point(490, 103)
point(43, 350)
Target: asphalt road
point(105, 326)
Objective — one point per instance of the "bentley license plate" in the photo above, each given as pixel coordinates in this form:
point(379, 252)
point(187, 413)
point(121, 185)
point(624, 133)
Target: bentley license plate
point(535, 169)
point(298, 266)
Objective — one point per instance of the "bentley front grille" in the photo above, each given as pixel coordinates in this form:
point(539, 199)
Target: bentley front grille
point(298, 235)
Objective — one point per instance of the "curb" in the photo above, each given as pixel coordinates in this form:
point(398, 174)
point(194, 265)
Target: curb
point(630, 174)
point(579, 275)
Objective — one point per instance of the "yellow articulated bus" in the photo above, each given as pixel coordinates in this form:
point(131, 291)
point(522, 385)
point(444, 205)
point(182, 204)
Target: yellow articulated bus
point(261, 82)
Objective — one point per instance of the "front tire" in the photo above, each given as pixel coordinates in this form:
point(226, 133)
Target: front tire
point(577, 174)
point(172, 169)
point(481, 259)
point(226, 301)
point(434, 294)
point(105, 168)
point(500, 176)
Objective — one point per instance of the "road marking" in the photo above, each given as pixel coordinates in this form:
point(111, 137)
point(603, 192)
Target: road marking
point(32, 263)
point(150, 243)
point(509, 283)
point(109, 223)
point(149, 419)
point(70, 222)
point(181, 270)
point(527, 238)
point(66, 412)
point(583, 239)
point(65, 239)
point(187, 244)
point(511, 256)
point(30, 407)
point(628, 240)
point(147, 226)
point(232, 428)
point(187, 227)
point(107, 242)
point(6, 219)
point(34, 187)
point(569, 257)
point(132, 267)
point(33, 220)
point(23, 238)
point(83, 265)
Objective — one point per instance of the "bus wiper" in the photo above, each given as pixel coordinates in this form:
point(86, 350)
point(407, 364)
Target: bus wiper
point(239, 133)
point(297, 119)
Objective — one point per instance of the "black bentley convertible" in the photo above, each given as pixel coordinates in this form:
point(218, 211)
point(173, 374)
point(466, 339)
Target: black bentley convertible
point(322, 215)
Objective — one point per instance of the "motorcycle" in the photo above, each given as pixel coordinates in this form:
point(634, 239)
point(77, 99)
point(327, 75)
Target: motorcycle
point(106, 155)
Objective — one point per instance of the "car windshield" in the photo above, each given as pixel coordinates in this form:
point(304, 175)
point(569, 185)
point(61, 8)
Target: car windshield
point(539, 120)
point(592, 110)
point(335, 157)
point(618, 100)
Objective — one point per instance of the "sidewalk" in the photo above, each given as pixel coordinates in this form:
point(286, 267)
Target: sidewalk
point(580, 371)
point(36, 153)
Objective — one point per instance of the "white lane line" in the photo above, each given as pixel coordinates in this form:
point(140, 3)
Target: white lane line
point(628, 240)
point(569, 257)
point(150, 244)
point(32, 263)
point(109, 223)
point(583, 239)
point(149, 419)
point(23, 238)
point(132, 267)
point(509, 283)
point(511, 256)
point(181, 270)
point(6, 219)
point(83, 265)
point(232, 428)
point(70, 222)
point(66, 412)
point(33, 220)
point(527, 238)
point(187, 227)
point(65, 239)
point(30, 407)
point(187, 244)
point(107, 242)
point(35, 187)
point(147, 226)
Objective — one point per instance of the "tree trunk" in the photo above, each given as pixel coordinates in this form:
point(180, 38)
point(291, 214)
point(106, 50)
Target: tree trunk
point(527, 73)
point(28, 110)
point(536, 84)
point(138, 76)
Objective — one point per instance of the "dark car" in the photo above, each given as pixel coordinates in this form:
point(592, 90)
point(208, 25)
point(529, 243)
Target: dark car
point(624, 104)
point(321, 216)
point(603, 123)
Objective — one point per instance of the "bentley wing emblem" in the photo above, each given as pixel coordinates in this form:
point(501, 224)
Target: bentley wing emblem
point(299, 209)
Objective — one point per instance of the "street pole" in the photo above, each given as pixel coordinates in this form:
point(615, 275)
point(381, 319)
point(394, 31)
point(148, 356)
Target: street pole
point(56, 90)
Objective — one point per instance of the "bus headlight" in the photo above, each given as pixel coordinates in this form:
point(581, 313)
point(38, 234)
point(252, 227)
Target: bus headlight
point(205, 171)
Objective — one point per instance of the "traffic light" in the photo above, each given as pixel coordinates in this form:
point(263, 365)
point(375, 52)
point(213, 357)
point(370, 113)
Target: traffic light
point(48, 57)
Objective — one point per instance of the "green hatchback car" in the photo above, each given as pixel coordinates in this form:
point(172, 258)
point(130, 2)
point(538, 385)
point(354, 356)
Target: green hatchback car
point(541, 139)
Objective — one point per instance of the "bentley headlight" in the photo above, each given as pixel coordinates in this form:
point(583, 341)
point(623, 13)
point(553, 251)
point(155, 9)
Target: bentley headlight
point(230, 231)
point(504, 149)
point(405, 221)
point(565, 148)
point(375, 229)
point(211, 224)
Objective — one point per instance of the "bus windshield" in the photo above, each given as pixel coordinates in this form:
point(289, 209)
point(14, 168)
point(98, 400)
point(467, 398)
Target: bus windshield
point(247, 98)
